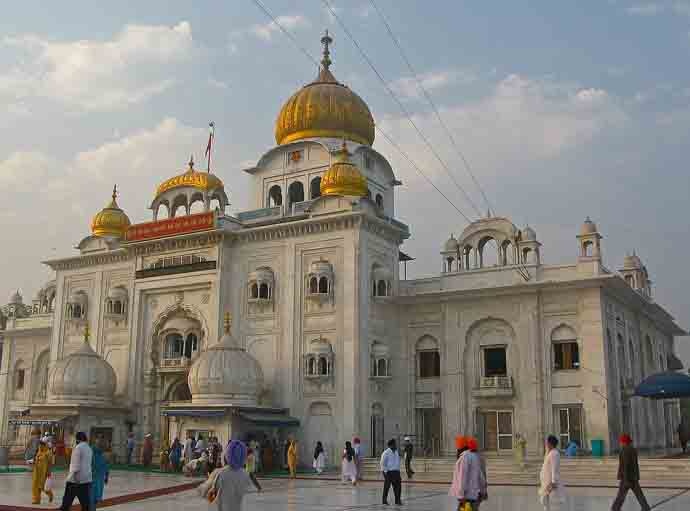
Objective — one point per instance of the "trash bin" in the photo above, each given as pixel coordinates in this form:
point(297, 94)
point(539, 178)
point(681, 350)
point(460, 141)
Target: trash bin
point(598, 448)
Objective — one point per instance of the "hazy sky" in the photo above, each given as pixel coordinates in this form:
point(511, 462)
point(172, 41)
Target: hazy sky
point(563, 109)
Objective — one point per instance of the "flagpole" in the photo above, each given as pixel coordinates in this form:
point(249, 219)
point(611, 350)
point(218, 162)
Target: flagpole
point(209, 146)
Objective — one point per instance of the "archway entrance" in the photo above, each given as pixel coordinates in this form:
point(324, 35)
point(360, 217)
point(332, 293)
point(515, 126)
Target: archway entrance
point(378, 440)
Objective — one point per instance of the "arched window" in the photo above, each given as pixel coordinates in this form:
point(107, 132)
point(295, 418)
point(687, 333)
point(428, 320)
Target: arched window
point(313, 285)
point(587, 248)
point(488, 252)
point(311, 366)
point(275, 196)
point(263, 290)
point(215, 204)
point(382, 367)
point(163, 211)
point(315, 188)
point(373, 288)
point(428, 358)
point(190, 346)
point(76, 311)
point(179, 211)
point(566, 351)
point(174, 346)
point(254, 290)
point(449, 264)
point(295, 192)
point(323, 285)
point(508, 256)
point(466, 261)
point(323, 366)
point(526, 255)
point(379, 200)
point(197, 206)
point(382, 288)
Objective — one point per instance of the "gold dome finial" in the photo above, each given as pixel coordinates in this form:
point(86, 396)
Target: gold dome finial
point(191, 163)
point(326, 60)
point(111, 220)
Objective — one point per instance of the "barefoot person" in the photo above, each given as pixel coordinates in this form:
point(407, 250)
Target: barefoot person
point(390, 466)
point(551, 489)
point(349, 466)
point(469, 480)
point(319, 458)
point(43, 461)
point(100, 472)
point(292, 458)
point(232, 481)
point(628, 475)
point(78, 484)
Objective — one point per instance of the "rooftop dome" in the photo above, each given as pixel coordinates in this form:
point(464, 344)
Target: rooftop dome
point(82, 377)
point(191, 178)
point(325, 108)
point(16, 298)
point(451, 245)
point(111, 220)
point(588, 227)
point(343, 177)
point(225, 374)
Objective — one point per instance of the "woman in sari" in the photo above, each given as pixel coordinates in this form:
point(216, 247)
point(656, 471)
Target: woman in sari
point(147, 451)
point(99, 472)
point(43, 461)
point(349, 467)
point(319, 458)
point(292, 458)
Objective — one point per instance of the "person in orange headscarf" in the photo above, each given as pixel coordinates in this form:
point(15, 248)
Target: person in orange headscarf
point(628, 475)
point(460, 445)
point(469, 477)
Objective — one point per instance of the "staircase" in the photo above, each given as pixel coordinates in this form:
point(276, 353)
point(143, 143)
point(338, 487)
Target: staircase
point(584, 471)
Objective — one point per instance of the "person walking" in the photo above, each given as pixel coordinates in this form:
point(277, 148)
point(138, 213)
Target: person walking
point(79, 477)
point(408, 450)
point(292, 458)
point(460, 446)
point(187, 449)
point(175, 455)
point(683, 434)
point(390, 466)
point(359, 457)
point(131, 445)
point(469, 478)
point(32, 446)
point(319, 458)
point(628, 475)
point(147, 451)
point(43, 462)
point(232, 481)
point(551, 490)
point(348, 471)
point(100, 472)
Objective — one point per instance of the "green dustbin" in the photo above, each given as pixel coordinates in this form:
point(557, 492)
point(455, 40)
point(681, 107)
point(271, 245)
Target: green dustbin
point(598, 448)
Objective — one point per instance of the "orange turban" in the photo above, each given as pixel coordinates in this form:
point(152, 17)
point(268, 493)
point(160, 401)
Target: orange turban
point(460, 442)
point(472, 444)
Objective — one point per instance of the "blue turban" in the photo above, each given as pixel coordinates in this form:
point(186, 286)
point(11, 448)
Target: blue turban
point(236, 454)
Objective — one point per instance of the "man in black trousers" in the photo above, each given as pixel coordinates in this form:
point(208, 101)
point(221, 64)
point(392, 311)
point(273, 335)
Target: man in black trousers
point(79, 478)
point(408, 450)
point(628, 475)
point(390, 466)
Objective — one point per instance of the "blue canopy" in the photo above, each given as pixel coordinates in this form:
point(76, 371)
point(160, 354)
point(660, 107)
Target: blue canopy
point(666, 385)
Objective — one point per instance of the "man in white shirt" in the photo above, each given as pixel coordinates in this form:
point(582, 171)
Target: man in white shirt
point(79, 478)
point(188, 448)
point(390, 466)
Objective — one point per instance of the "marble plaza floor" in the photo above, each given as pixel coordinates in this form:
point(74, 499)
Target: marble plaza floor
point(313, 495)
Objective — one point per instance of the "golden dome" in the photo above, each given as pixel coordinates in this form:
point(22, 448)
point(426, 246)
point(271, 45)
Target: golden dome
point(204, 181)
point(111, 220)
point(344, 178)
point(325, 108)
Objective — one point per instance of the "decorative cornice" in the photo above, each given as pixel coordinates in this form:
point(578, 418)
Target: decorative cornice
point(196, 240)
point(81, 261)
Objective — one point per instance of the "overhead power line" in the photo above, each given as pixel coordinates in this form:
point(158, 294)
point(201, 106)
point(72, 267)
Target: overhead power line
point(431, 102)
point(400, 105)
point(390, 140)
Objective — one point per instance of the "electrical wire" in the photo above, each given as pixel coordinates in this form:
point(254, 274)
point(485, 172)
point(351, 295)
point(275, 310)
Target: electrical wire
point(390, 140)
point(402, 107)
point(431, 102)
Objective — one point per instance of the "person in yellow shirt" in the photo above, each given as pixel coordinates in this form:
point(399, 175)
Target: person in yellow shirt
point(43, 461)
point(292, 458)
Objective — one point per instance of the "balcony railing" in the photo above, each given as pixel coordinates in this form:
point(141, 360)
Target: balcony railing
point(176, 362)
point(494, 386)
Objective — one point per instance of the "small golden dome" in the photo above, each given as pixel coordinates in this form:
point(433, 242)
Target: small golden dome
point(204, 181)
point(325, 108)
point(344, 178)
point(111, 220)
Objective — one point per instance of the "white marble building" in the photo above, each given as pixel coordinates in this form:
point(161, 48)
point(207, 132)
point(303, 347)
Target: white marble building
point(327, 340)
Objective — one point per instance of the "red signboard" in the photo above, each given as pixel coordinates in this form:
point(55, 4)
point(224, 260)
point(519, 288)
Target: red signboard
point(171, 226)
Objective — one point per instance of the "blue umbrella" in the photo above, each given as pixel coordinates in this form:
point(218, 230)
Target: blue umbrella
point(666, 385)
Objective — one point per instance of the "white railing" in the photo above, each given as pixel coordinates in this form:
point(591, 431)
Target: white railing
point(496, 382)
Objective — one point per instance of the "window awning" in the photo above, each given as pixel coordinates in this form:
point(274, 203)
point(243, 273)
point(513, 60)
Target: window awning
point(34, 420)
point(190, 412)
point(269, 419)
